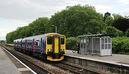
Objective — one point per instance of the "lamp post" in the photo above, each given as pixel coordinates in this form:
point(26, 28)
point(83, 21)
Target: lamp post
point(55, 28)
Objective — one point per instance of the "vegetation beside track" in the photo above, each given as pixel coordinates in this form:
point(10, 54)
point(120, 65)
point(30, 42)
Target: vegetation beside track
point(120, 45)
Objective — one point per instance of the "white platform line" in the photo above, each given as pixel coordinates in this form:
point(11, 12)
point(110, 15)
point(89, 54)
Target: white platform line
point(21, 62)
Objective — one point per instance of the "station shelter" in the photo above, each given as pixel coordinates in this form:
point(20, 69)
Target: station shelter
point(96, 44)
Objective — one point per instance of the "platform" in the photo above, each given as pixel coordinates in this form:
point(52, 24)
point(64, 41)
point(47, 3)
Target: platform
point(115, 58)
point(6, 65)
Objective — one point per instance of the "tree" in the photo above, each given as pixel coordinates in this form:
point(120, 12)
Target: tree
point(113, 32)
point(78, 20)
point(39, 26)
point(10, 37)
point(107, 14)
point(117, 16)
point(121, 24)
point(74, 21)
point(109, 21)
point(71, 43)
point(127, 33)
point(24, 32)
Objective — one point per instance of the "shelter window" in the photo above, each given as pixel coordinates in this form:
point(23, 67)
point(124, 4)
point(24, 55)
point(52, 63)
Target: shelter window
point(84, 40)
point(81, 43)
point(106, 43)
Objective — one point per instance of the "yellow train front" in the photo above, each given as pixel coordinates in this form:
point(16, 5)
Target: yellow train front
point(55, 46)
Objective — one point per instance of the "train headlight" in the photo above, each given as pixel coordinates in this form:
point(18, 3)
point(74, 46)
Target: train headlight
point(49, 50)
point(62, 50)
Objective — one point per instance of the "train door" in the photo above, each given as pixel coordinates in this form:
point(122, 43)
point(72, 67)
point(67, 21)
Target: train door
point(56, 44)
point(25, 45)
point(33, 45)
point(43, 45)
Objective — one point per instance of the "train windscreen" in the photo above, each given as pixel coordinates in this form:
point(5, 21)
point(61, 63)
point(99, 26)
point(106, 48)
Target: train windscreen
point(49, 40)
point(62, 39)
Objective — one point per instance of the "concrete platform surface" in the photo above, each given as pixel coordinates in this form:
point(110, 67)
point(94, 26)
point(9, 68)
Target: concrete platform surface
point(6, 65)
point(115, 58)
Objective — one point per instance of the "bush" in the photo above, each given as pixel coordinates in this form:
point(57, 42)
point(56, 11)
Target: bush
point(120, 45)
point(113, 32)
point(71, 43)
point(127, 33)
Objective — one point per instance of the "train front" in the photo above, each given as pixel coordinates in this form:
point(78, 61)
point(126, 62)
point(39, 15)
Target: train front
point(55, 46)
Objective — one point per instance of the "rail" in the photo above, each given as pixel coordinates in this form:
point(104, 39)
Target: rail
point(39, 66)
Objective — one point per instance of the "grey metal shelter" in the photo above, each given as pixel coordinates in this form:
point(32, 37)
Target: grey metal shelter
point(97, 44)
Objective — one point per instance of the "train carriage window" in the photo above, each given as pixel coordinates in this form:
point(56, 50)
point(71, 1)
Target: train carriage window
point(49, 40)
point(37, 43)
point(62, 40)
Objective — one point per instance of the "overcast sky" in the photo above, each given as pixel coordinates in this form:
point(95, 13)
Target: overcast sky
point(17, 13)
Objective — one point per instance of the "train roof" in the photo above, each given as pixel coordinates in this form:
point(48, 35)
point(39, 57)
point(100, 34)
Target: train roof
point(18, 40)
point(36, 37)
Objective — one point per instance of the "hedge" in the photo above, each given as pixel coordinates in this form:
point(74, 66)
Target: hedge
point(113, 32)
point(120, 45)
point(71, 43)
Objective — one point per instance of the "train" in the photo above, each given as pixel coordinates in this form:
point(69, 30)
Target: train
point(49, 46)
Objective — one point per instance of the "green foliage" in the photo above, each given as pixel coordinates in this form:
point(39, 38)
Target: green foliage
point(35, 28)
point(71, 43)
point(39, 26)
point(10, 37)
point(127, 33)
point(2, 41)
point(78, 20)
point(113, 32)
point(117, 16)
point(72, 21)
point(109, 20)
point(121, 24)
point(120, 45)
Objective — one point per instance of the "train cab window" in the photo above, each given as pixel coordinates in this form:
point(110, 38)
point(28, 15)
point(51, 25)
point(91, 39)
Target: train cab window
point(62, 40)
point(49, 40)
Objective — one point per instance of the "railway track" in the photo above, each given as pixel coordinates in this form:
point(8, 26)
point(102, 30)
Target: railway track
point(69, 68)
point(32, 66)
point(82, 66)
point(37, 65)
point(76, 69)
